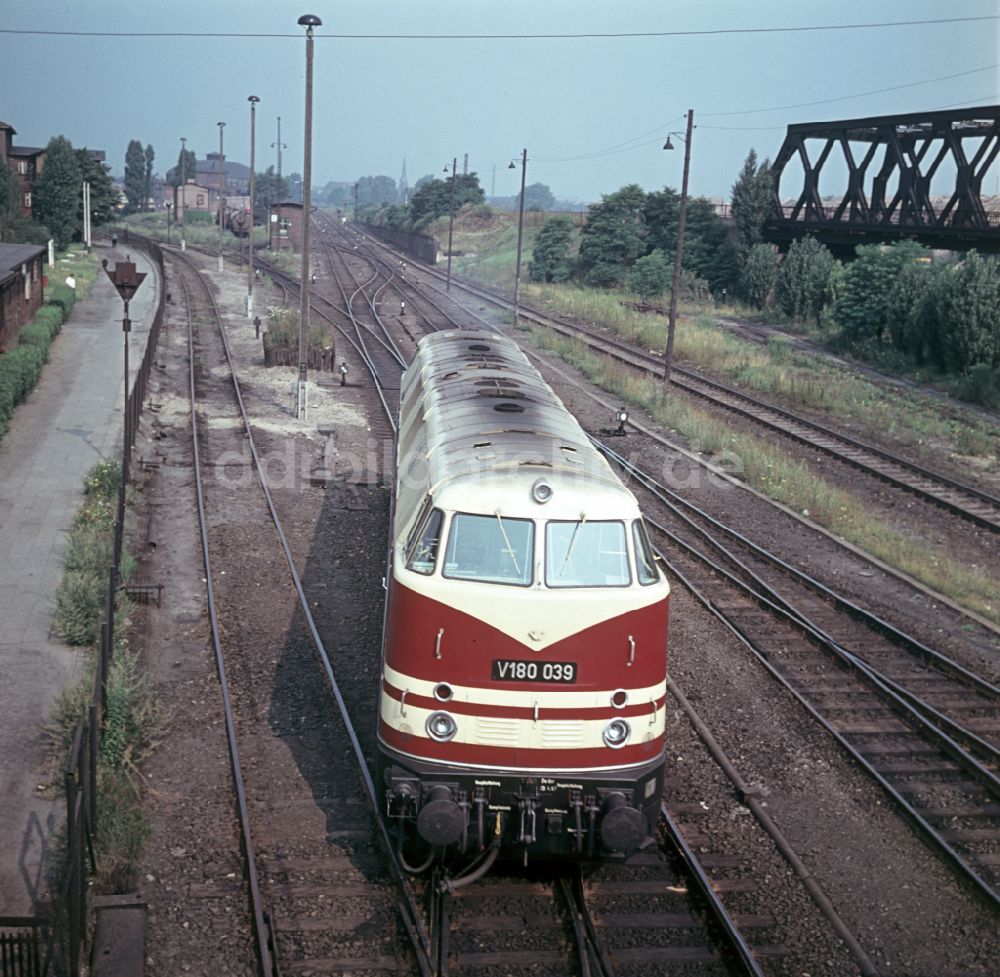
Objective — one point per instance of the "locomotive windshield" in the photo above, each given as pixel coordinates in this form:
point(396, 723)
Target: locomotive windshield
point(644, 565)
point(495, 549)
point(586, 554)
point(422, 554)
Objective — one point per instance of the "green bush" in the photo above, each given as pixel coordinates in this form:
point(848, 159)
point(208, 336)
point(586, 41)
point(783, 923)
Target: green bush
point(61, 296)
point(981, 386)
point(21, 367)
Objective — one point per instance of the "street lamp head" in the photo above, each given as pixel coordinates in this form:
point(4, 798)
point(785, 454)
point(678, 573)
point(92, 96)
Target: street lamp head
point(668, 144)
point(220, 124)
point(253, 99)
point(512, 166)
point(310, 21)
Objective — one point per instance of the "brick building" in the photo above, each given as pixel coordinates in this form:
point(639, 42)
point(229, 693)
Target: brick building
point(25, 162)
point(285, 227)
point(21, 287)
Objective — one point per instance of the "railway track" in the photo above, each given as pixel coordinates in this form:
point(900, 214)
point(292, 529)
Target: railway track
point(675, 932)
point(319, 865)
point(927, 729)
point(609, 928)
point(967, 501)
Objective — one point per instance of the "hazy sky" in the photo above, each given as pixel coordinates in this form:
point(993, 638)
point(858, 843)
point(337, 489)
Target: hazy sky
point(591, 111)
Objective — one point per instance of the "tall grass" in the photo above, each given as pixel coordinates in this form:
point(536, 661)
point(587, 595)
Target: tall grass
point(130, 715)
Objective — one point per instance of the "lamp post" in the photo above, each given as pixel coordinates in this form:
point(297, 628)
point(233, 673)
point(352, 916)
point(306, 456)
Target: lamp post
point(222, 191)
point(180, 206)
point(253, 100)
point(668, 353)
point(451, 220)
point(169, 205)
point(308, 21)
point(520, 235)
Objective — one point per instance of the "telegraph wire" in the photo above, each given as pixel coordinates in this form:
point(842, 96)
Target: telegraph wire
point(711, 32)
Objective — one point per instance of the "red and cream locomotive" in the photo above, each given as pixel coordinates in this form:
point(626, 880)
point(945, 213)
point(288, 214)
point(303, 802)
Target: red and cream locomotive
point(525, 649)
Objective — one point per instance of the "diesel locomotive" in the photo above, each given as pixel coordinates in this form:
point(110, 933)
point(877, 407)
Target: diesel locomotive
point(524, 660)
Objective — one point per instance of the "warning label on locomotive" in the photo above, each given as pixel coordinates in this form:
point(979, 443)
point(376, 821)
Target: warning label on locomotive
point(512, 670)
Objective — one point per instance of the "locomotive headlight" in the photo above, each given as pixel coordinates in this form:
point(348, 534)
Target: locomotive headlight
point(441, 727)
point(616, 734)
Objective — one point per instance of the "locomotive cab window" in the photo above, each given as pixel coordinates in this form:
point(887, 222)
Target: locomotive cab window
point(423, 550)
point(586, 554)
point(490, 549)
point(645, 566)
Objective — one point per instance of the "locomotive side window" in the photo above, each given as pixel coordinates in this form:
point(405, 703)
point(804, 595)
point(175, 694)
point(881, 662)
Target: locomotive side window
point(491, 549)
point(645, 567)
point(424, 548)
point(586, 554)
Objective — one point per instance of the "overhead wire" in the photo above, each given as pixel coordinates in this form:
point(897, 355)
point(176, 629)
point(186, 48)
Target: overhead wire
point(709, 32)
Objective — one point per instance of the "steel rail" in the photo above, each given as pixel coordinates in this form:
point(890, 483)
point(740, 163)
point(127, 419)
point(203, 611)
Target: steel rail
point(690, 380)
point(768, 593)
point(743, 954)
point(261, 930)
point(409, 912)
point(749, 798)
point(901, 706)
point(925, 829)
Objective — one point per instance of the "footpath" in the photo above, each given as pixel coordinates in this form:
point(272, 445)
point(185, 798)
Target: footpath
point(72, 419)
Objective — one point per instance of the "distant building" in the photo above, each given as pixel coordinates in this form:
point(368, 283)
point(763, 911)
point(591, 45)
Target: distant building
point(21, 287)
point(236, 175)
point(25, 162)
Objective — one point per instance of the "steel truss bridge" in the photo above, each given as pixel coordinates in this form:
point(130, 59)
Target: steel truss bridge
point(891, 161)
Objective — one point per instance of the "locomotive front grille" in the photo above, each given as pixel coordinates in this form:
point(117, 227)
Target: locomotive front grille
point(496, 732)
point(562, 734)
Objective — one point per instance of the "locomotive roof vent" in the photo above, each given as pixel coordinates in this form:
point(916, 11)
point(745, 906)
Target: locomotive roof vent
point(541, 491)
point(506, 407)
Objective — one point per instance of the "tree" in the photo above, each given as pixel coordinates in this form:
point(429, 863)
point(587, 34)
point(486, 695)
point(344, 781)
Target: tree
point(550, 254)
point(10, 205)
point(805, 279)
point(135, 176)
point(376, 190)
point(969, 309)
point(613, 237)
point(149, 155)
point(760, 273)
point(433, 199)
point(537, 196)
point(58, 191)
point(187, 163)
point(103, 195)
point(876, 297)
point(269, 188)
point(651, 274)
point(751, 203)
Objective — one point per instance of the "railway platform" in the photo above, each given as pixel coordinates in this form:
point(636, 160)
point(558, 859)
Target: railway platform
point(72, 419)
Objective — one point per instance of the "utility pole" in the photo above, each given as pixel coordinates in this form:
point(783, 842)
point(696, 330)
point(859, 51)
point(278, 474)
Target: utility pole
point(280, 146)
point(253, 100)
point(222, 193)
point(180, 210)
point(668, 354)
point(451, 220)
point(520, 235)
point(309, 21)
